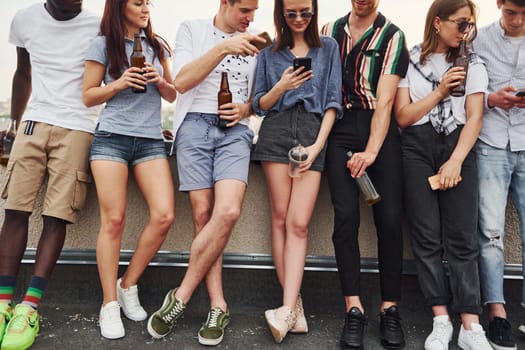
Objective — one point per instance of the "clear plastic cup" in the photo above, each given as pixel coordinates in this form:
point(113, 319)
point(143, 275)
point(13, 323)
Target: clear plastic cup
point(297, 156)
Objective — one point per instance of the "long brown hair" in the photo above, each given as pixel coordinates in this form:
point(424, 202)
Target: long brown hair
point(113, 27)
point(444, 9)
point(283, 35)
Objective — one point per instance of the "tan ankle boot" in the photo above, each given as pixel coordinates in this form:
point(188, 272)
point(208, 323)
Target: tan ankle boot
point(280, 322)
point(300, 325)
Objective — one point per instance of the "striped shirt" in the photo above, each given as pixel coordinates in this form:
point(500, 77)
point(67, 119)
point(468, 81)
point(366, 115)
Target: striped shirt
point(504, 59)
point(381, 50)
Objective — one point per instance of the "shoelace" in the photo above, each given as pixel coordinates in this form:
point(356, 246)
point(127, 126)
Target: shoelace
point(132, 300)
point(176, 310)
point(391, 321)
point(111, 314)
point(354, 323)
point(479, 338)
point(18, 322)
point(214, 315)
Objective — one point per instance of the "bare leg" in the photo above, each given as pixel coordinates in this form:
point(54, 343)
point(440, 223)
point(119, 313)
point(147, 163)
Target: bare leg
point(202, 206)
point(156, 184)
point(209, 244)
point(49, 246)
point(279, 191)
point(111, 181)
point(13, 241)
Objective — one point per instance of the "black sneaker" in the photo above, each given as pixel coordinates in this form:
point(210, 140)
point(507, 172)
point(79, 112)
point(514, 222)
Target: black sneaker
point(500, 334)
point(352, 336)
point(392, 336)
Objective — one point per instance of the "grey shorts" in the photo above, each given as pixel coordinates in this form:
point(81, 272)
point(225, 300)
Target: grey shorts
point(207, 154)
point(281, 131)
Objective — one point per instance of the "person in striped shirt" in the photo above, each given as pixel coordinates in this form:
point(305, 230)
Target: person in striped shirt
point(374, 58)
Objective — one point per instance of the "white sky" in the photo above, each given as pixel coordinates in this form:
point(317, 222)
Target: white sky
point(166, 16)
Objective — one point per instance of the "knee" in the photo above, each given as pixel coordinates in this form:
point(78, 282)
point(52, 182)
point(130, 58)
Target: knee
point(229, 215)
point(114, 226)
point(163, 219)
point(201, 215)
point(298, 229)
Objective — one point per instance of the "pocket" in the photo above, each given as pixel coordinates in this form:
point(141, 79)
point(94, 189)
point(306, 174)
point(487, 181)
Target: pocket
point(81, 183)
point(7, 179)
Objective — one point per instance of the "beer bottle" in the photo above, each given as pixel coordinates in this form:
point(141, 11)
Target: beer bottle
point(224, 96)
point(461, 61)
point(7, 142)
point(137, 59)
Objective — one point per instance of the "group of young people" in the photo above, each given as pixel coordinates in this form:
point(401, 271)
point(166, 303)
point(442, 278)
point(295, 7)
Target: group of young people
point(365, 92)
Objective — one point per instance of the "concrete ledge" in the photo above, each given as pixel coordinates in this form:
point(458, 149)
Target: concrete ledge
point(237, 261)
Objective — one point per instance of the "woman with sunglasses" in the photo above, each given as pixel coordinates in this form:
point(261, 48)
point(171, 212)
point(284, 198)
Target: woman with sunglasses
point(128, 137)
point(439, 131)
point(300, 107)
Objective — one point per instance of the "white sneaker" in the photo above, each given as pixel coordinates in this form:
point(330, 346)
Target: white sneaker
point(129, 302)
point(441, 334)
point(474, 339)
point(522, 329)
point(111, 326)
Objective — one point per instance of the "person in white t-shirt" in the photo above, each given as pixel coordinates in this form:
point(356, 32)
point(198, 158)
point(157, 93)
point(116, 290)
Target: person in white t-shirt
point(212, 161)
point(439, 131)
point(53, 141)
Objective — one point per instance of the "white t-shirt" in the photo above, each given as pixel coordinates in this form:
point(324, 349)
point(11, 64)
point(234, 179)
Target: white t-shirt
point(238, 69)
point(194, 38)
point(57, 53)
point(419, 87)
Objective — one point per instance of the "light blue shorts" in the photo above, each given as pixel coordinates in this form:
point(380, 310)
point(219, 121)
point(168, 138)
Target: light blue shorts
point(207, 154)
point(126, 149)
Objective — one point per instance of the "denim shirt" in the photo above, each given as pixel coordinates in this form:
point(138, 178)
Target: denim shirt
point(318, 94)
point(129, 113)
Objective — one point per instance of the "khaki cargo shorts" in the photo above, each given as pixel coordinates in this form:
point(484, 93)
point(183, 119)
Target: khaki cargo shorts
point(50, 151)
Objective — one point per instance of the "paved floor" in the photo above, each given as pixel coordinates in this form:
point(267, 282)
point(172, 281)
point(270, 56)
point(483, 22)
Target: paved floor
point(70, 311)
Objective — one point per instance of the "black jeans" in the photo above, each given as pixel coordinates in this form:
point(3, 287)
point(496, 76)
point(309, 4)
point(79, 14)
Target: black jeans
point(442, 224)
point(351, 133)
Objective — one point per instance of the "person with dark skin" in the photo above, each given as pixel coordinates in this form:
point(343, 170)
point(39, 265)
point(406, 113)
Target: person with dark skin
point(50, 59)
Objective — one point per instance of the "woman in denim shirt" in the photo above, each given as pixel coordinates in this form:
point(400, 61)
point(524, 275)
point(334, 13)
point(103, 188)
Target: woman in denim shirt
point(300, 107)
point(128, 134)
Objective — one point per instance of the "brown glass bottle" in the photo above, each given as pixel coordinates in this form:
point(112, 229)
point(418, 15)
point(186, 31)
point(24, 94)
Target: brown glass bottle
point(137, 59)
point(461, 61)
point(224, 96)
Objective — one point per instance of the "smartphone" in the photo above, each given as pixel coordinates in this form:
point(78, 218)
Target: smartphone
point(259, 45)
point(305, 62)
point(520, 93)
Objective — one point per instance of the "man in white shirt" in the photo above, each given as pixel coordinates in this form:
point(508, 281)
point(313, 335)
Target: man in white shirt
point(212, 161)
point(501, 156)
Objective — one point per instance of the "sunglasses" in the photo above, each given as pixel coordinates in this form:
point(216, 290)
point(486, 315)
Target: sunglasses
point(302, 14)
point(463, 25)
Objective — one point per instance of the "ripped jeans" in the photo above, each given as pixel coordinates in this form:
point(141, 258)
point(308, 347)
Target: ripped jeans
point(501, 173)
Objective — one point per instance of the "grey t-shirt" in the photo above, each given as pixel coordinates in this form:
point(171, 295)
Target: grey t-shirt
point(129, 113)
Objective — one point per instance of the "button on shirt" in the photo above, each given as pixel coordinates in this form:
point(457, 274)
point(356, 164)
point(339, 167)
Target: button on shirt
point(505, 62)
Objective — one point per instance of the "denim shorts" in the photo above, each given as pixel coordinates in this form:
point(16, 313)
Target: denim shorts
point(281, 131)
point(207, 154)
point(126, 149)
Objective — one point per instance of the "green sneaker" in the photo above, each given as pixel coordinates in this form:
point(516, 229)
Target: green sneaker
point(22, 329)
point(212, 331)
point(5, 317)
point(162, 321)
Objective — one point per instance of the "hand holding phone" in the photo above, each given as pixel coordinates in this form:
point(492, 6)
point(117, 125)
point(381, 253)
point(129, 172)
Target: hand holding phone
point(305, 62)
point(261, 45)
point(520, 93)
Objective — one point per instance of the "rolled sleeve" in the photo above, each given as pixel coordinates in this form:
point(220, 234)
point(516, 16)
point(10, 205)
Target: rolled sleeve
point(183, 51)
point(261, 86)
